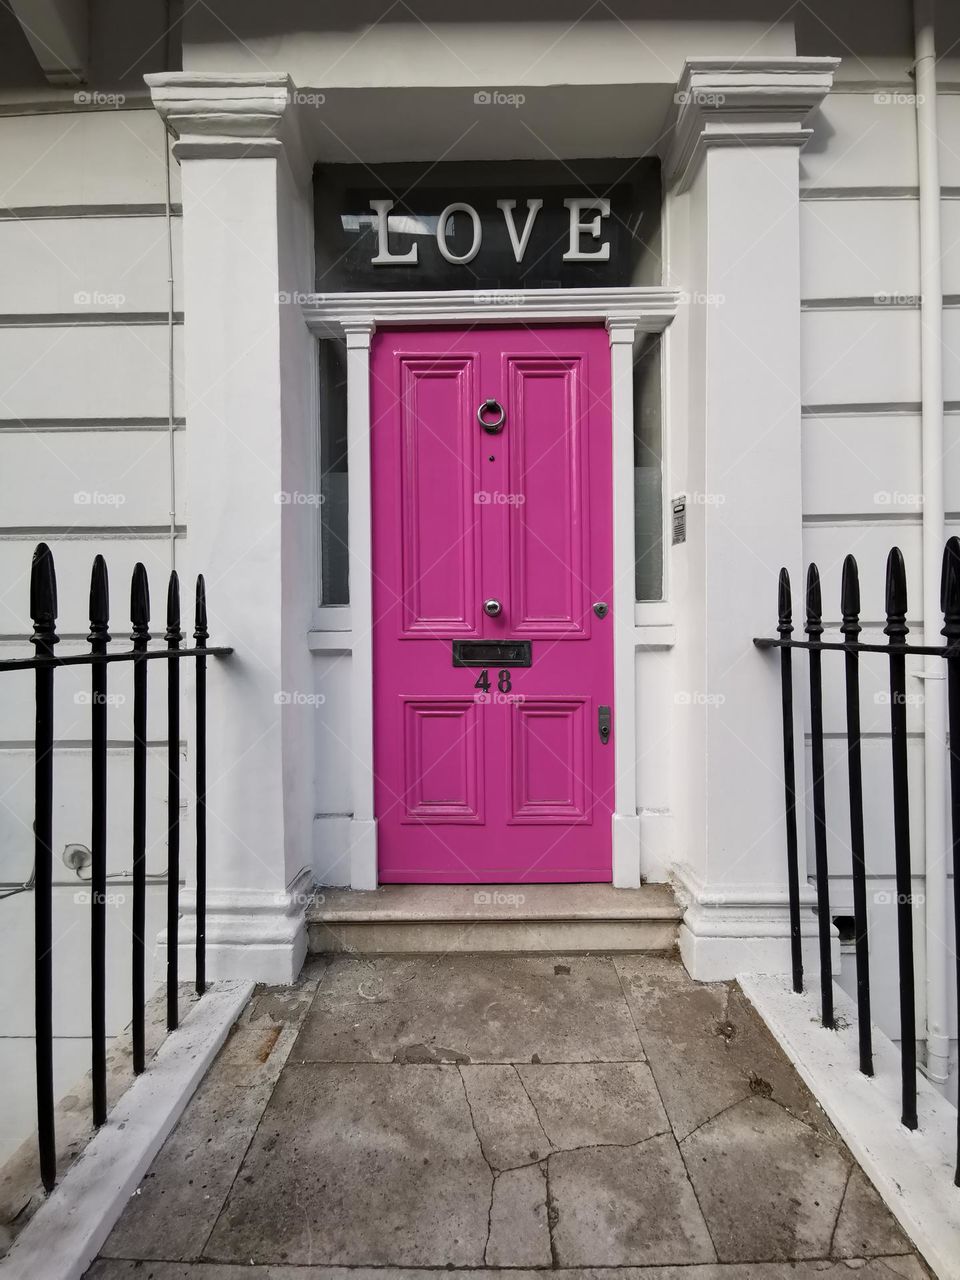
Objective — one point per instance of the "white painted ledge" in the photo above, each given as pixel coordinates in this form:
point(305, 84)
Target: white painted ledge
point(913, 1171)
point(67, 1232)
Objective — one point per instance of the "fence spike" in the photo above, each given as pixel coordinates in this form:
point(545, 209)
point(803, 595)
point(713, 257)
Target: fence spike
point(201, 634)
point(140, 603)
point(99, 602)
point(784, 605)
point(173, 634)
point(43, 595)
point(814, 625)
point(950, 589)
point(850, 598)
point(896, 597)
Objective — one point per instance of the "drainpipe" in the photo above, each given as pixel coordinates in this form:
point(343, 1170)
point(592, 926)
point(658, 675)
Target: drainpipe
point(171, 332)
point(171, 376)
point(934, 706)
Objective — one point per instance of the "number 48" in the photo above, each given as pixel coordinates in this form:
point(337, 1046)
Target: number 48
point(504, 683)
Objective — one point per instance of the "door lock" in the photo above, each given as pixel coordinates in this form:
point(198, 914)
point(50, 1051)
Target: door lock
point(601, 609)
point(603, 724)
point(492, 608)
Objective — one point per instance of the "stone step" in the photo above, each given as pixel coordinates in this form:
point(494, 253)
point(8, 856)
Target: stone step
point(426, 919)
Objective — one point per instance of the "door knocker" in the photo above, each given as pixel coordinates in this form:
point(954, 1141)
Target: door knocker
point(492, 425)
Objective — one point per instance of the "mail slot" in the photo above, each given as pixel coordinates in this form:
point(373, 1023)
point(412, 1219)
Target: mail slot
point(492, 653)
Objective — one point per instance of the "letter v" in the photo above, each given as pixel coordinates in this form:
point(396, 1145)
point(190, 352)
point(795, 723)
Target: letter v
point(519, 244)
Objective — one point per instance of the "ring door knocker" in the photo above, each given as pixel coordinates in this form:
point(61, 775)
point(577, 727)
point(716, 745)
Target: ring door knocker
point(492, 425)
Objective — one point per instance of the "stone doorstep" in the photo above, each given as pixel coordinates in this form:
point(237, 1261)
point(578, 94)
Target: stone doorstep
point(413, 919)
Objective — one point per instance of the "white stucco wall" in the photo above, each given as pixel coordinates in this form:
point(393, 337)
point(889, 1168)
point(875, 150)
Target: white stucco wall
point(862, 490)
point(84, 460)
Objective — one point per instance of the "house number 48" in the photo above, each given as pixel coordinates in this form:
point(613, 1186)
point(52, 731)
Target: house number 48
point(504, 683)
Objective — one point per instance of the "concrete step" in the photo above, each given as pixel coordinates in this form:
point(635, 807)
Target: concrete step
point(414, 918)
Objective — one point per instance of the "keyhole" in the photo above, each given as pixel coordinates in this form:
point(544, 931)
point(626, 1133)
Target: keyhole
point(491, 458)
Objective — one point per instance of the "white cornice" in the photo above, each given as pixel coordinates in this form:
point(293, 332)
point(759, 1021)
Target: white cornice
point(749, 102)
point(649, 309)
point(222, 115)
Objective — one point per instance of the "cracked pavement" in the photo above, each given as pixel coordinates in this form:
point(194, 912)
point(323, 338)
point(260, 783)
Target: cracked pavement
point(490, 1112)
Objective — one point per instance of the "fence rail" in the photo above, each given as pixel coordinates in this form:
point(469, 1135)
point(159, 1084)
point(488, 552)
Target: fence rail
point(44, 663)
point(896, 651)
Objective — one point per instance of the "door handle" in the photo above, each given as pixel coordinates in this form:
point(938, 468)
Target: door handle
point(492, 608)
point(603, 724)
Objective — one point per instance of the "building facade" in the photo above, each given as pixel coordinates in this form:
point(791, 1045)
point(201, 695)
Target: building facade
point(489, 367)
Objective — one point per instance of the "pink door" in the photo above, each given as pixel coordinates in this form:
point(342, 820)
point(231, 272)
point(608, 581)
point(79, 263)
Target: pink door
point(492, 573)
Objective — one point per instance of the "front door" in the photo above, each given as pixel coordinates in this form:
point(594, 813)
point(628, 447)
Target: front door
point(492, 585)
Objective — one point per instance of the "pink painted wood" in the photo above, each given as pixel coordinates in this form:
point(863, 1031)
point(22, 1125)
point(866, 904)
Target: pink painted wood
point(513, 784)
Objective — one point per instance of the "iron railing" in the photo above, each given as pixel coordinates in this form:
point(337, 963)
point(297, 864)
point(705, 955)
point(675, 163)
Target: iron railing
point(44, 663)
point(896, 651)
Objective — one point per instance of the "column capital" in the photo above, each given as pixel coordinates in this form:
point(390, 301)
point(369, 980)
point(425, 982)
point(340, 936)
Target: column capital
point(217, 115)
point(621, 331)
point(743, 102)
point(359, 331)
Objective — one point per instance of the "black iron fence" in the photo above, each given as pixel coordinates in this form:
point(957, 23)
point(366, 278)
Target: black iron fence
point(896, 651)
point(43, 611)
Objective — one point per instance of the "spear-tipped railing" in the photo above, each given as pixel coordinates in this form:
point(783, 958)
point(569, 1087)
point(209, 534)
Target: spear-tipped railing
point(44, 664)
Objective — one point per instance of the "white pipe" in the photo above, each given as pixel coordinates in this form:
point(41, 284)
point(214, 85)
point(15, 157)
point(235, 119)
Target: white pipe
point(934, 705)
point(171, 377)
point(171, 349)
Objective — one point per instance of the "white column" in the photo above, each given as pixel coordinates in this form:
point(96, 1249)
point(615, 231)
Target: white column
point(735, 161)
point(246, 246)
point(626, 822)
point(363, 827)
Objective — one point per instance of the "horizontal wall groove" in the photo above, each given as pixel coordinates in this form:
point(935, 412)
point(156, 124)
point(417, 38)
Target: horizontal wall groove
point(84, 319)
point(873, 735)
point(889, 300)
point(860, 193)
point(27, 213)
point(865, 518)
point(29, 425)
point(86, 533)
point(134, 99)
point(84, 744)
point(872, 409)
point(865, 303)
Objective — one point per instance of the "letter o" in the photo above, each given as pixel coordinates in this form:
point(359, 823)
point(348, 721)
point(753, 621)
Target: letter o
point(447, 214)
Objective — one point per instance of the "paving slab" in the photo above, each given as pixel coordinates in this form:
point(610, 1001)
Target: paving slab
point(769, 1186)
point(865, 1226)
point(178, 1202)
point(360, 1164)
point(707, 1047)
point(503, 1115)
point(519, 1230)
point(892, 1268)
point(590, 1104)
point(625, 1206)
point(469, 1009)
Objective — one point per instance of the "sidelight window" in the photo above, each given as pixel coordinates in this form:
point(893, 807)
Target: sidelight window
point(334, 583)
point(648, 469)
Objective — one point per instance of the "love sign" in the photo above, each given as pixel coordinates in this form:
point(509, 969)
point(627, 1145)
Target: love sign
point(487, 225)
point(580, 230)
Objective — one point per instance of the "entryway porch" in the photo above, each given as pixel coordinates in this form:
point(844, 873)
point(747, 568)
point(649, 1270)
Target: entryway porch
point(541, 1112)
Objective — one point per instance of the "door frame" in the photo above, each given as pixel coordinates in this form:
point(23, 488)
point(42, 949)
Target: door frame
point(628, 314)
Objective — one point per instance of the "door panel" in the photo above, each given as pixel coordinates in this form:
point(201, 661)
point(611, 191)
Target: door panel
point(546, 476)
point(492, 773)
point(442, 760)
point(551, 761)
point(437, 484)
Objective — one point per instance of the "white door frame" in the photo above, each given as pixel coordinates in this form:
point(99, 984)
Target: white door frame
point(627, 313)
